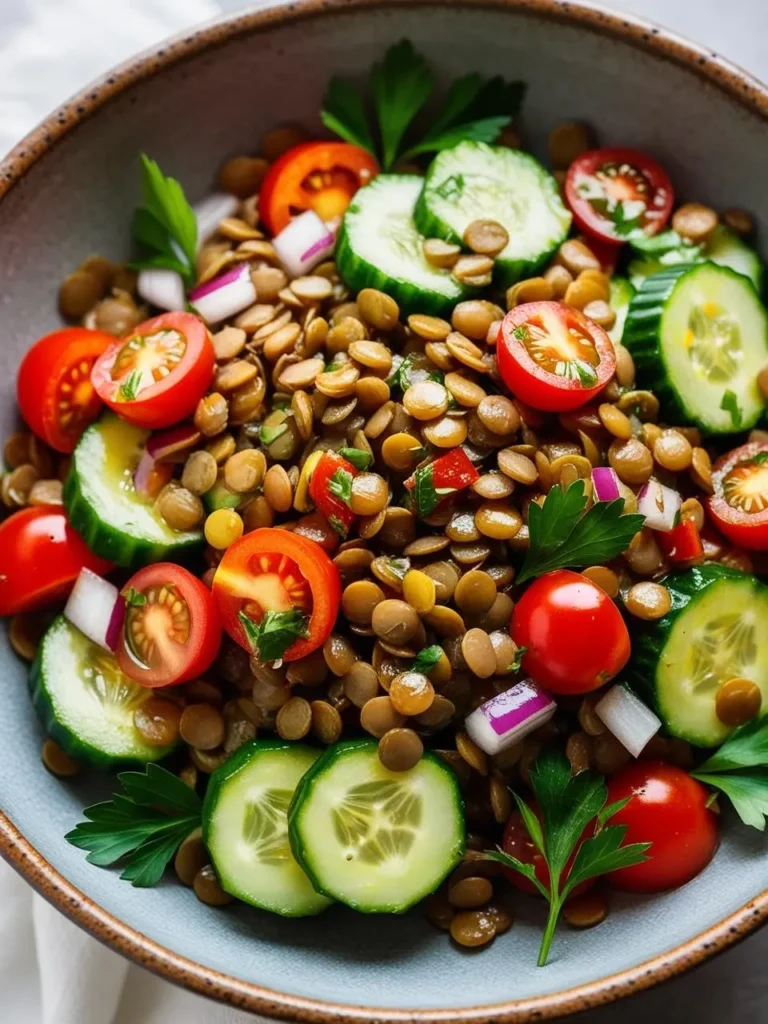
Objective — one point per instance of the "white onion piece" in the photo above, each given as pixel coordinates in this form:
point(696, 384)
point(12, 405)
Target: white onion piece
point(97, 609)
point(304, 243)
point(507, 717)
point(225, 295)
point(660, 505)
point(606, 484)
point(631, 722)
point(211, 211)
point(161, 288)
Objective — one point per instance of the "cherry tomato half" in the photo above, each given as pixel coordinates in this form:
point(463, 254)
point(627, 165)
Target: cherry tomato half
point(517, 843)
point(319, 176)
point(575, 636)
point(40, 558)
point(615, 194)
point(155, 376)
point(330, 488)
point(273, 570)
point(667, 809)
point(553, 357)
point(172, 631)
point(739, 505)
point(53, 388)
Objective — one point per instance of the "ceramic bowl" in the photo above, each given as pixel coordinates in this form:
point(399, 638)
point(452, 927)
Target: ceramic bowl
point(67, 191)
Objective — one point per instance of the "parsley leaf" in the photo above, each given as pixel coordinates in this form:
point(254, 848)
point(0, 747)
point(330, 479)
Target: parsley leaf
point(740, 770)
point(277, 631)
point(359, 458)
point(730, 403)
point(144, 826)
point(587, 374)
point(336, 524)
point(760, 459)
point(165, 226)
point(129, 389)
point(426, 659)
point(562, 536)
point(402, 83)
point(398, 566)
point(514, 665)
point(425, 496)
point(567, 806)
point(521, 332)
point(344, 114)
point(269, 434)
point(340, 485)
point(135, 598)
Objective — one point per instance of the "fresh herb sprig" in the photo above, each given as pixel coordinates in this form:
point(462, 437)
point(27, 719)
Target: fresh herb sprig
point(426, 659)
point(739, 769)
point(164, 227)
point(143, 826)
point(562, 535)
point(358, 457)
point(277, 631)
point(568, 805)
point(130, 387)
point(730, 404)
point(401, 84)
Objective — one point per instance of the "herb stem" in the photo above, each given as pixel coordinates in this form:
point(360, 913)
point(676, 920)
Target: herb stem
point(549, 931)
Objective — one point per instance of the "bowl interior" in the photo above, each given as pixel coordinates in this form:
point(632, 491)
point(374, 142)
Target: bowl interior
point(77, 200)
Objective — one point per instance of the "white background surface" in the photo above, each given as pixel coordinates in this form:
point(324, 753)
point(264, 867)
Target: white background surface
point(50, 972)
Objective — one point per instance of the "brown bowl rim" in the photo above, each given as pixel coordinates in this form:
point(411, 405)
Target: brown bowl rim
point(731, 80)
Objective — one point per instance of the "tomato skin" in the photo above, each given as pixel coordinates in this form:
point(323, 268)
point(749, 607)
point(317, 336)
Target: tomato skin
point(197, 653)
point(240, 565)
point(284, 191)
point(536, 386)
point(575, 636)
point(517, 843)
point(173, 397)
point(40, 558)
point(335, 509)
point(669, 810)
point(745, 529)
point(63, 359)
point(584, 170)
point(682, 543)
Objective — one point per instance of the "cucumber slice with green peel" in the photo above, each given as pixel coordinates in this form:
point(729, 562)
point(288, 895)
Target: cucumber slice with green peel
point(474, 181)
point(379, 247)
point(245, 827)
point(714, 631)
point(699, 338)
point(103, 506)
point(220, 496)
point(376, 840)
point(84, 701)
point(725, 248)
point(621, 294)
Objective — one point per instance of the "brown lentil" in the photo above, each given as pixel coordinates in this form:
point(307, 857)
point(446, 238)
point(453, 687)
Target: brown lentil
point(200, 472)
point(46, 492)
point(586, 910)
point(566, 142)
point(394, 621)
point(378, 309)
point(242, 175)
point(701, 469)
point(694, 222)
point(400, 749)
point(631, 460)
point(439, 911)
point(518, 467)
point(486, 236)
point(504, 649)
point(208, 888)
point(411, 693)
point(361, 683)
point(604, 578)
point(190, 857)
point(426, 400)
point(479, 653)
point(378, 716)
point(473, 928)
point(673, 451)
point(359, 600)
point(471, 753)
point(532, 289)
point(441, 254)
point(648, 600)
point(244, 471)
point(575, 256)
point(326, 722)
point(473, 270)
point(470, 893)
point(419, 591)
point(738, 701)
point(57, 761)
point(473, 317)
point(294, 719)
point(614, 421)
point(202, 726)
point(578, 750)
point(157, 721)
point(559, 278)
point(180, 508)
point(211, 414)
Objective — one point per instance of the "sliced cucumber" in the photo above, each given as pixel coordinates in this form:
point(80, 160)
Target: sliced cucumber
point(621, 294)
point(699, 337)
point(104, 508)
point(725, 248)
point(379, 247)
point(220, 496)
point(668, 249)
point(714, 631)
point(474, 181)
point(85, 702)
point(245, 827)
point(376, 840)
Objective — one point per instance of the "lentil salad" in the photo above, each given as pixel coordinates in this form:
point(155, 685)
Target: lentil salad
point(341, 436)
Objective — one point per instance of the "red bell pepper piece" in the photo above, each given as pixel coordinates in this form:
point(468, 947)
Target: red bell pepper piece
point(682, 543)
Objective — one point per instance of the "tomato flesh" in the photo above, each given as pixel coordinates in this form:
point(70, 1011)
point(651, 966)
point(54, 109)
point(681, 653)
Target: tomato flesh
point(172, 631)
point(275, 570)
point(40, 558)
point(667, 809)
point(575, 636)
point(319, 176)
point(553, 357)
point(682, 543)
point(54, 389)
point(517, 843)
point(156, 375)
point(618, 194)
point(739, 505)
point(329, 481)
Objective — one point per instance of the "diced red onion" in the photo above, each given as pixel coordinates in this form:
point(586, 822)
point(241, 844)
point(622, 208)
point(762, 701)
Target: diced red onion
point(225, 295)
point(660, 505)
point(164, 443)
point(606, 484)
point(211, 211)
point(304, 243)
point(631, 722)
point(161, 288)
point(509, 716)
point(97, 609)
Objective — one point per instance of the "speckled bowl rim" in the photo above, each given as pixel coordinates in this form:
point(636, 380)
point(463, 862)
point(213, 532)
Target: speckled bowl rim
point(737, 84)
